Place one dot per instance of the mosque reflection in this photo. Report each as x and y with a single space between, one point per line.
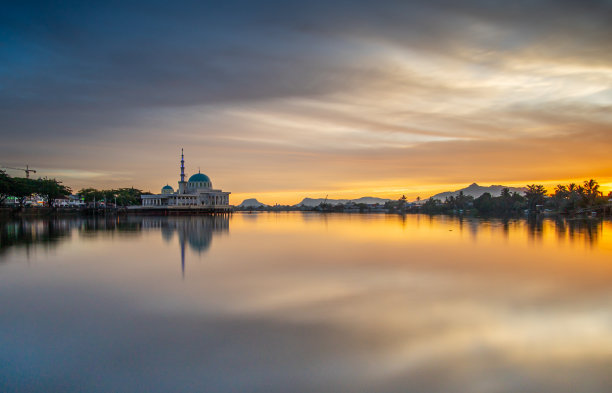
193 233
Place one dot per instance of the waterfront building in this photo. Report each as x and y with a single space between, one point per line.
197 192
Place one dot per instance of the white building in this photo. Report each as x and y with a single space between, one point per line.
197 192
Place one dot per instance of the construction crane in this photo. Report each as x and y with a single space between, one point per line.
323 205
27 170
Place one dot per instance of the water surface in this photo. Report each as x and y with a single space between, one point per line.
292 302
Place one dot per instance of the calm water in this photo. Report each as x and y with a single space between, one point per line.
296 302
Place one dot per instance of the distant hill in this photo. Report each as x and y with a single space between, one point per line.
252 202
310 202
475 190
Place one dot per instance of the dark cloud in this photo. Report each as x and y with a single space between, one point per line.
80 67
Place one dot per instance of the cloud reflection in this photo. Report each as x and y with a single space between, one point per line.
308 302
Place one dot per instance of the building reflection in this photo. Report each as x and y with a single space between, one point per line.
194 233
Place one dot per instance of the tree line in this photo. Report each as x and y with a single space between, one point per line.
22 188
52 189
570 198
121 196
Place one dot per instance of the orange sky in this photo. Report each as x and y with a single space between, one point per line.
410 99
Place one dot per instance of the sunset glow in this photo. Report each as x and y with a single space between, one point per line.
297 99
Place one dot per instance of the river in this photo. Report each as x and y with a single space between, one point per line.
305 302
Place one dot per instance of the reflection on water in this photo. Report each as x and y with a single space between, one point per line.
195 233
305 302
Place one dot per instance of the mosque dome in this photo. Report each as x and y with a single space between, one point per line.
167 187
199 181
199 177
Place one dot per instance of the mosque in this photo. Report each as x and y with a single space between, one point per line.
197 193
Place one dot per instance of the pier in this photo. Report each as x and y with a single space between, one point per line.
178 210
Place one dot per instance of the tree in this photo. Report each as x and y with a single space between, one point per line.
485 203
432 206
535 195
51 189
6 186
128 196
462 201
91 194
402 203
124 196
505 203
561 197
23 188
518 201
591 191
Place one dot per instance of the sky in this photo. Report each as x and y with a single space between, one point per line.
281 100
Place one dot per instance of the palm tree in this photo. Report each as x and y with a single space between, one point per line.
535 195
591 190
561 197
402 203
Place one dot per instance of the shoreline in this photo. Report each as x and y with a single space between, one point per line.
191 211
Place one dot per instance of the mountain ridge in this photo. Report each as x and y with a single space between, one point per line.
476 190
252 202
312 202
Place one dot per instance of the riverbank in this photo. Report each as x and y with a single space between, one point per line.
56 211
7 212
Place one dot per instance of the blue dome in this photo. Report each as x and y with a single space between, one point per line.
199 177
166 187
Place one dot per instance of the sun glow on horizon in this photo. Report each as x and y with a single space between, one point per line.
411 192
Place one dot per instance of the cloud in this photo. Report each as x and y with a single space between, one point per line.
274 86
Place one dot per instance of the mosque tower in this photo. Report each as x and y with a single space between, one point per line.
182 189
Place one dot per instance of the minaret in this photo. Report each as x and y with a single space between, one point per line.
182 166
182 184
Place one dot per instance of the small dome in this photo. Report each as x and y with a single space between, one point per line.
167 187
199 177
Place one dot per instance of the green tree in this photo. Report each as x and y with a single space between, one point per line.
561 197
575 196
124 196
504 203
128 196
535 195
518 201
591 191
51 189
485 203
23 188
462 200
432 206
402 204
91 194
6 186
